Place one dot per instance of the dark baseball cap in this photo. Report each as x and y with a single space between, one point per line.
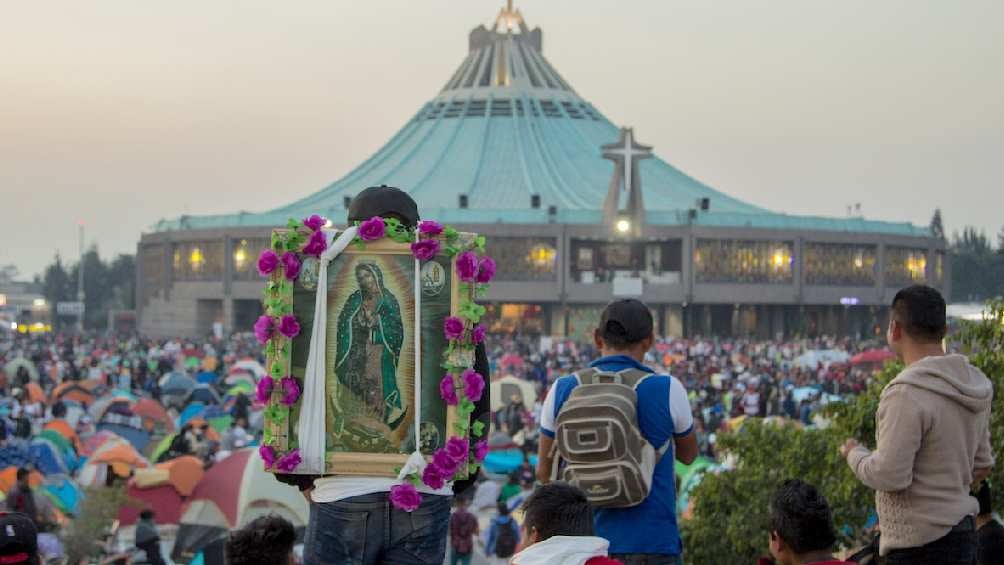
384 201
625 322
18 539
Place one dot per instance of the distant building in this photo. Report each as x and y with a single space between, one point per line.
577 212
23 308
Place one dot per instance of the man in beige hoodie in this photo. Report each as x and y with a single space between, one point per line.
933 440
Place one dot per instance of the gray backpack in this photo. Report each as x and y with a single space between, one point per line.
598 439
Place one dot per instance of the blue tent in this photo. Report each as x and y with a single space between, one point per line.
14 454
205 394
64 493
138 437
193 410
206 377
45 456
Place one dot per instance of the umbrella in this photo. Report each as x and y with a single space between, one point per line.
176 382
72 391
19 363
232 493
872 356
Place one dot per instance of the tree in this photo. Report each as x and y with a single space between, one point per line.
729 513
106 286
122 277
977 272
1000 241
937 227
56 285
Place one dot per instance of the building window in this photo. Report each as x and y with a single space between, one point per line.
905 266
152 262
198 261
244 258
515 318
738 261
839 264
597 261
524 258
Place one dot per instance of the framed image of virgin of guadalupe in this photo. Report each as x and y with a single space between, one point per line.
383 355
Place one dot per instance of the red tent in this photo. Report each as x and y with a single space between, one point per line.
163 499
874 356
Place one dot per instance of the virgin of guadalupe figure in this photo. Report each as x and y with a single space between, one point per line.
370 336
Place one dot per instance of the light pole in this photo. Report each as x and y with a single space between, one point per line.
80 280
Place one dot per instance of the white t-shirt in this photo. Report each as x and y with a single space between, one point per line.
333 489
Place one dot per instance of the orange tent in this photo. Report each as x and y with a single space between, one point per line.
63 428
35 393
185 472
152 411
122 458
72 391
8 478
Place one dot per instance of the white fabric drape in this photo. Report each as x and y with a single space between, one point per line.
312 423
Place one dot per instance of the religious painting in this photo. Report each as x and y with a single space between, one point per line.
373 401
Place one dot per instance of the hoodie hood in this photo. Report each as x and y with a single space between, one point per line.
562 550
950 376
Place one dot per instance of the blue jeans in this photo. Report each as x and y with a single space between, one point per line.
367 530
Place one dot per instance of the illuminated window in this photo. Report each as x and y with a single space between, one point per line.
245 258
905 266
524 258
241 255
839 264
196 261
731 261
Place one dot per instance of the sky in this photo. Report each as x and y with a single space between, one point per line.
120 113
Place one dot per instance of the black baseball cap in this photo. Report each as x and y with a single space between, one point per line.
625 322
384 201
18 539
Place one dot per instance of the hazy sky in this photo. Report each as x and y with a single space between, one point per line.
121 113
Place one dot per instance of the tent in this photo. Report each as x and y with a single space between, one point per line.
248 366
162 447
175 382
192 410
65 447
232 493
117 457
872 357
102 406
153 414
63 493
8 478
35 394
47 457
163 499
12 367
99 439
241 387
131 430
203 393
182 473
63 428
72 391
503 389
206 377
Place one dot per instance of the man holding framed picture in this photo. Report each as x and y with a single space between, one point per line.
352 519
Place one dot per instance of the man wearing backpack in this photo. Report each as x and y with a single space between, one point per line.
503 536
616 428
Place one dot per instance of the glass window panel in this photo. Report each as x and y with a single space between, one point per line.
524 258
198 261
152 265
244 257
905 266
839 264
743 261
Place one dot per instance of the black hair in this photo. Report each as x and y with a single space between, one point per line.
59 409
146 514
23 473
503 508
558 509
921 311
268 539
800 515
615 335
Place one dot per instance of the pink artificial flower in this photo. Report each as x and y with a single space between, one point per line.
291 391
316 244
445 462
267 455
264 328
288 462
267 262
467 266
433 477
478 334
425 250
314 223
480 450
448 390
486 270
453 328
474 384
263 391
372 229
290 265
288 326
430 228
457 448
405 497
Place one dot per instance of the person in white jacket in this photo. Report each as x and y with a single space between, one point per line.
558 529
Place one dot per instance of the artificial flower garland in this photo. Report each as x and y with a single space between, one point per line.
461 386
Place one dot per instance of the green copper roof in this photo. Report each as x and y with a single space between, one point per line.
506 127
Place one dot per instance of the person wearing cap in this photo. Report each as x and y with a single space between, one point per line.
351 517
646 533
18 540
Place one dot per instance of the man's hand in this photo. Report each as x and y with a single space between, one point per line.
848 446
